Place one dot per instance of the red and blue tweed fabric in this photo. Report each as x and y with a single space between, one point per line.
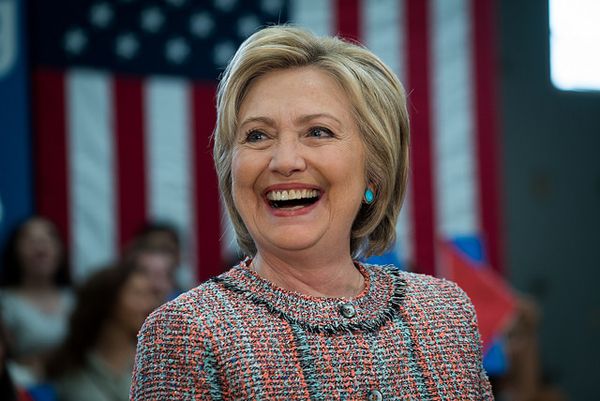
239 337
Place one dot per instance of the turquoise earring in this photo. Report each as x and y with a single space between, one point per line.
369 196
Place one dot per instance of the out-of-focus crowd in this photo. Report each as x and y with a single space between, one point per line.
66 342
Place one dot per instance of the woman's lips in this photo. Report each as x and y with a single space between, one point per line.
291 199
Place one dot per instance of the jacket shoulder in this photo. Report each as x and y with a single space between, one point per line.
192 309
175 354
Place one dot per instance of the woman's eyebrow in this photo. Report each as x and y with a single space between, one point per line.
299 120
309 117
258 119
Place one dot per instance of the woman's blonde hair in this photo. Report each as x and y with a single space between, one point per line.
379 108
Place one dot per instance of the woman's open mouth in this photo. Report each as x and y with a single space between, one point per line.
292 199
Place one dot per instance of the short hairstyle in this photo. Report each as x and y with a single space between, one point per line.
378 104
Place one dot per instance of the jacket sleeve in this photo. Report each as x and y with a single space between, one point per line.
481 384
174 359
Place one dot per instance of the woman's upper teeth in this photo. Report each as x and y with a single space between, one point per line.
292 194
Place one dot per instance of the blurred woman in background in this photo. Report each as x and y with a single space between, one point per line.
35 297
95 362
166 235
159 264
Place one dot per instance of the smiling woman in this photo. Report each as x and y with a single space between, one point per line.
311 149
363 90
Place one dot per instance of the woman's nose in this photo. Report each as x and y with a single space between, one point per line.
287 157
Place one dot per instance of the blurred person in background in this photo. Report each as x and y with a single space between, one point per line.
158 263
162 234
95 361
35 297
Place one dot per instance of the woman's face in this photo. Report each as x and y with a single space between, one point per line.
136 301
39 250
159 267
298 162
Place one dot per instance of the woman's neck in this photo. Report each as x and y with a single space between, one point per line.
37 284
322 276
116 347
43 294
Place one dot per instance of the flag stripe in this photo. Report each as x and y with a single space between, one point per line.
404 246
383 21
422 181
315 15
488 144
348 21
51 169
452 105
168 157
208 215
91 170
130 164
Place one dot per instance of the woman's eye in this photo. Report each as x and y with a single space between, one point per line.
320 132
255 136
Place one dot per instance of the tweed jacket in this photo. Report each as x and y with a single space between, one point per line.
239 337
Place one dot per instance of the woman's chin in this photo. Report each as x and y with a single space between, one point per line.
290 239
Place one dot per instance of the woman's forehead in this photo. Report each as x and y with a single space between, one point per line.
298 94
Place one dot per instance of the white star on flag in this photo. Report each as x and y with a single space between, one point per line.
247 25
152 19
177 50
176 3
223 52
75 41
225 5
127 46
272 7
201 24
101 15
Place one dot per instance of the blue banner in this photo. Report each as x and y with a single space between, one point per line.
16 174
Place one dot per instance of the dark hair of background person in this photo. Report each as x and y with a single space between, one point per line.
131 254
96 301
12 269
162 227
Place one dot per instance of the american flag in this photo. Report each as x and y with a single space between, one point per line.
124 107
123 104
